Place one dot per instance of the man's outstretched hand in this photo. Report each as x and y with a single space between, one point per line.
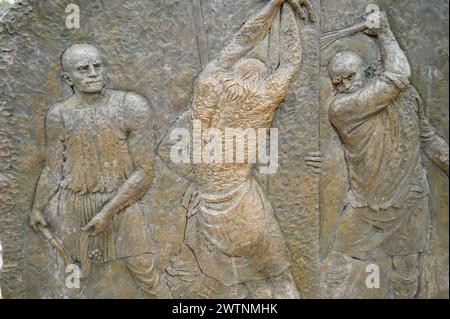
304 8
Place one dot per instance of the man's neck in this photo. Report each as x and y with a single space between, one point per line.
90 99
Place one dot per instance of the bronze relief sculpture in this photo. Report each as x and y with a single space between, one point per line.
113 193
98 165
384 129
231 228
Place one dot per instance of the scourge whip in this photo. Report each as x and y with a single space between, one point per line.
369 19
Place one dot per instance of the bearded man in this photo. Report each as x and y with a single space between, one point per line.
384 131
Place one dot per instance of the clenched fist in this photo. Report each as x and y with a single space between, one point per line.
304 8
37 219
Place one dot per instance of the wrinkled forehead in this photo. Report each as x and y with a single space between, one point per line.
79 56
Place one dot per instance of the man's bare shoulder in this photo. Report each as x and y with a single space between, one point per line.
134 108
338 104
133 102
59 106
341 107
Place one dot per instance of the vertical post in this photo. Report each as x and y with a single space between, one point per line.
294 189
199 24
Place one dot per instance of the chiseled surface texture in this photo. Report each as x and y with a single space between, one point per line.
294 189
157 48
150 49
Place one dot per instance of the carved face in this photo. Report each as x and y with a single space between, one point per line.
346 71
83 68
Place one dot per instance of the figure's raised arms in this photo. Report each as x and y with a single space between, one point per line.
394 59
359 100
290 56
253 31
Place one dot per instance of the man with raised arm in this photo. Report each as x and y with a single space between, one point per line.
384 130
231 228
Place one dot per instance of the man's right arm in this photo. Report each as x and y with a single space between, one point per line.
377 95
394 59
290 57
348 110
251 33
51 175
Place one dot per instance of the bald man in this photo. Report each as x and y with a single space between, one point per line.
384 130
99 163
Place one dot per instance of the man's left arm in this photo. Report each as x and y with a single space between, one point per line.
433 146
141 144
290 56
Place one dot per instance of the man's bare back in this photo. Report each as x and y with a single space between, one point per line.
239 92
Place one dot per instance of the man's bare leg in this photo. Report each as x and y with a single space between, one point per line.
336 269
405 276
148 277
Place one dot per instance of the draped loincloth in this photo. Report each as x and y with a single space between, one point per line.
127 236
235 236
